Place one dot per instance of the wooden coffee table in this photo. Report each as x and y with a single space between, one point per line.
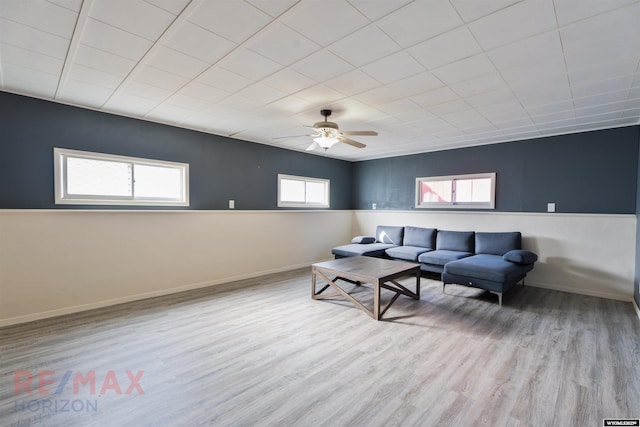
381 273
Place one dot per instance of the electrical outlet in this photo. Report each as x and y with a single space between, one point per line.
551 207
374 206
232 204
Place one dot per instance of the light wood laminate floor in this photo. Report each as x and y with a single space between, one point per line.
262 353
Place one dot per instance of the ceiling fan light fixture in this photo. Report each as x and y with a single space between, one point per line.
325 141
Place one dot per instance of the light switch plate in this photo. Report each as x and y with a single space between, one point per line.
232 204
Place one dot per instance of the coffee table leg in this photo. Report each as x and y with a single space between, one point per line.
376 300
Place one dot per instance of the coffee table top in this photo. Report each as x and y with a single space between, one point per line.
368 269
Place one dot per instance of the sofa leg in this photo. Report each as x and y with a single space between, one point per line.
499 297
443 285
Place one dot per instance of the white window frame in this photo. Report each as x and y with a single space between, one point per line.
62 196
287 204
454 204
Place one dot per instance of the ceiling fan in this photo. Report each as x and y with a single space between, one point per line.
328 133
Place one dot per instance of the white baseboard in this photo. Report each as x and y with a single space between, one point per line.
106 303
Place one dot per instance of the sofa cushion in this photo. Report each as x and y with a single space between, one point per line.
355 249
389 234
461 241
409 253
363 240
420 237
488 267
520 256
497 243
442 256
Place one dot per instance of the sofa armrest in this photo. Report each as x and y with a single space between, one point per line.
520 256
364 240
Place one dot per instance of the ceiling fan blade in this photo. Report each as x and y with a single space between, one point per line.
313 146
352 142
292 136
360 132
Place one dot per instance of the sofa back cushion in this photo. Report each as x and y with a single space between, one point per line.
461 241
498 243
421 237
390 234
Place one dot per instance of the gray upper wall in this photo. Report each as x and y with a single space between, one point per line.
590 172
220 168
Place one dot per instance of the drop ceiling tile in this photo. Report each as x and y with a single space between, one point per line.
606 99
449 107
167 113
465 69
620 69
128 16
516 22
364 46
435 97
375 10
159 78
273 7
378 96
570 11
446 48
393 68
222 79
104 61
623 83
541 72
326 21
400 106
528 50
470 10
171 6
282 44
352 83
129 104
416 84
15 34
602 51
144 90
492 98
110 39
320 96
233 20
204 92
194 104
535 108
29 59
487 83
94 77
176 63
82 93
16 78
239 104
262 93
288 80
199 43
249 64
74 5
419 21
41 15
321 66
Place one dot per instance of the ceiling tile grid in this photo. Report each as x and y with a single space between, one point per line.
425 74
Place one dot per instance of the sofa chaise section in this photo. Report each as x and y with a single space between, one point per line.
497 266
375 246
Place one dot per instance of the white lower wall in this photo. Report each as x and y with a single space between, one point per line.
580 253
55 262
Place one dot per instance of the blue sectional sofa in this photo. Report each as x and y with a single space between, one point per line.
492 261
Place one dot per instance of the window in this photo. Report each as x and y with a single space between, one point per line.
301 192
84 178
456 191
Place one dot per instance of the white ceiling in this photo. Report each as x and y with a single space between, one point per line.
426 74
